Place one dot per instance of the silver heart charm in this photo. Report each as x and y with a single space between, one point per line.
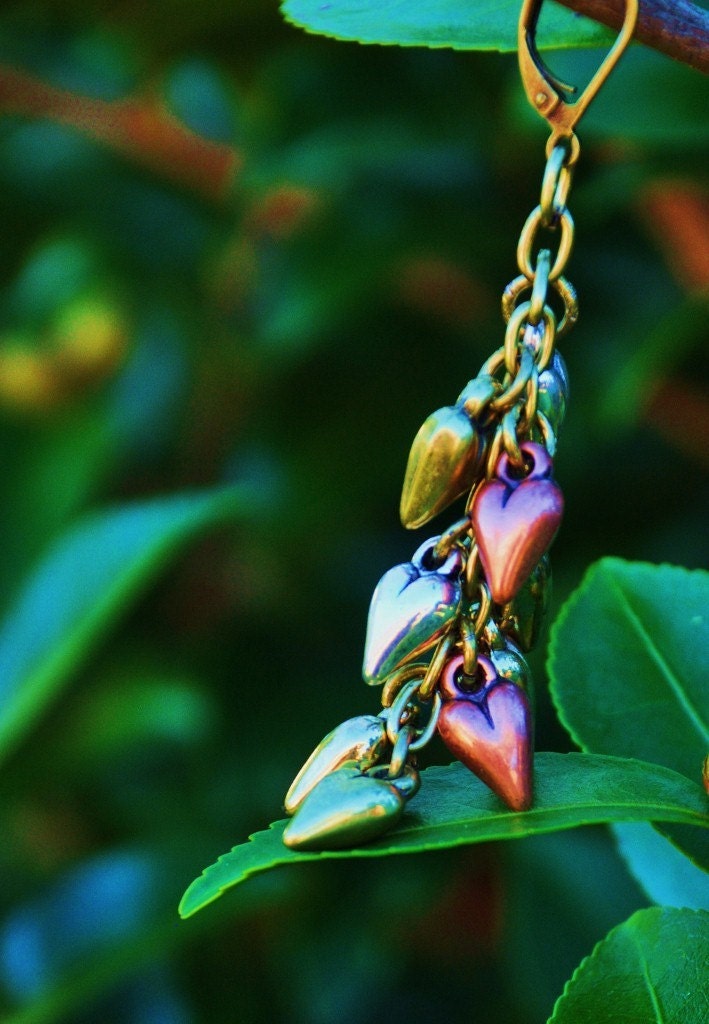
349 807
411 609
362 739
554 392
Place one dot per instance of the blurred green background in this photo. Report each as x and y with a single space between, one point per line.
233 253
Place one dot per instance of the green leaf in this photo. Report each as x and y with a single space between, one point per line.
83 584
568 890
666 875
139 707
629 660
454 808
649 970
648 359
484 25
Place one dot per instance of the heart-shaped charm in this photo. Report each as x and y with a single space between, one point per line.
412 607
489 730
348 808
515 520
553 392
510 666
506 657
362 739
443 463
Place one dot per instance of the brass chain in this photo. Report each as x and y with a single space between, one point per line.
528 349
509 406
401 715
532 328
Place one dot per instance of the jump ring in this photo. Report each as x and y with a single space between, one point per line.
433 672
400 752
526 240
426 733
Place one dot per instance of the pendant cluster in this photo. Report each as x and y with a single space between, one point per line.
447 632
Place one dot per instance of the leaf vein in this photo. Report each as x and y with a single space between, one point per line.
659 659
659 1016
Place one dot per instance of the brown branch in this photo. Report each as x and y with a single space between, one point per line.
140 129
676 28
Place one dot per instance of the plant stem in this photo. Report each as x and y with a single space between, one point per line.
140 128
677 28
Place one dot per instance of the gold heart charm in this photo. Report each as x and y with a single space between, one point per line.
362 739
348 808
412 607
446 456
443 463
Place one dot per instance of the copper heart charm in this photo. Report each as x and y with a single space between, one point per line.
489 730
515 520
412 607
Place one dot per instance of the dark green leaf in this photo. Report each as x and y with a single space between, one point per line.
649 970
454 808
568 889
485 25
86 580
629 659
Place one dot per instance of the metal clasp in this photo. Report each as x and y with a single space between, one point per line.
551 97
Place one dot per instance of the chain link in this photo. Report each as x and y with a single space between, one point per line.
400 718
540 286
448 540
525 245
511 411
532 330
563 288
555 184
436 666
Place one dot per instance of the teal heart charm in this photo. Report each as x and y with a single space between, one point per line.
413 605
349 807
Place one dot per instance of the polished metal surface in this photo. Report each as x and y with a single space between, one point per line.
523 617
549 96
489 729
444 460
362 740
553 392
511 665
515 521
348 808
411 609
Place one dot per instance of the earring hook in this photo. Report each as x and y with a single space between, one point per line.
545 92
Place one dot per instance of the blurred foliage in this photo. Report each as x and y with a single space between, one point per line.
236 256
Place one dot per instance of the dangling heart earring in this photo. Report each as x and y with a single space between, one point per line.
447 631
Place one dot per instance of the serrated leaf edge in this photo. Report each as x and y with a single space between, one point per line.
379 849
644 913
603 564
